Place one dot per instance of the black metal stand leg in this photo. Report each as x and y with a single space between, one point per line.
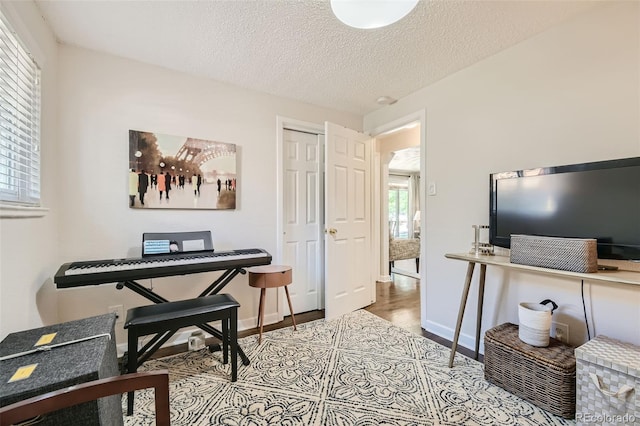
222 281
157 341
225 340
222 278
218 334
142 291
235 349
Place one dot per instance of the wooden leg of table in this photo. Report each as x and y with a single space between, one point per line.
463 304
483 273
261 312
293 317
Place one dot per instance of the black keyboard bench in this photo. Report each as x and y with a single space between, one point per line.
164 320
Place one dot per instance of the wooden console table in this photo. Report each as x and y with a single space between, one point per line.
622 277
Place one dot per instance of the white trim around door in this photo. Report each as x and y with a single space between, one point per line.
293 181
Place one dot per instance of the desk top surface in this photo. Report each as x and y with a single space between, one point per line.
618 276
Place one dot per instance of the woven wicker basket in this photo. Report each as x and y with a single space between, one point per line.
567 254
545 377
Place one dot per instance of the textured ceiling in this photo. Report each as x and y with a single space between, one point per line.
407 159
298 49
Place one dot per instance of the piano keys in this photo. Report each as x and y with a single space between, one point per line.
95 272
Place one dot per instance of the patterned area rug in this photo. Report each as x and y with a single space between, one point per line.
356 370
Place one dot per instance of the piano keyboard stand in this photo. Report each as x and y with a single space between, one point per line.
125 272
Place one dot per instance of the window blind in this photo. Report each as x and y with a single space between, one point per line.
19 121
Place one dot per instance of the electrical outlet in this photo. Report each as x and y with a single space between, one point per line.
119 310
560 332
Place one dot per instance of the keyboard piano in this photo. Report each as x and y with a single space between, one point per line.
76 274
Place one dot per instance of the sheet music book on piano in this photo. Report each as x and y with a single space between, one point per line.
155 243
157 247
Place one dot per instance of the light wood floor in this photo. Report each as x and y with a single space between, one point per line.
399 302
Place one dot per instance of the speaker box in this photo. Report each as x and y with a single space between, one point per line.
567 254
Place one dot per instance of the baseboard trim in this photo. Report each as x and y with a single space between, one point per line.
405 273
447 333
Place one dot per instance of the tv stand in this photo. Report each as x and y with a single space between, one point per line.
612 276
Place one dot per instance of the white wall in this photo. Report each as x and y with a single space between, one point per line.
28 257
102 97
398 140
568 95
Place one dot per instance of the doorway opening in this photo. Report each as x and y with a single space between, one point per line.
401 203
403 209
380 219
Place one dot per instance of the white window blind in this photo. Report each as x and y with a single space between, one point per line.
19 121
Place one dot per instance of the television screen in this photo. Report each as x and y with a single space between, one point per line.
591 200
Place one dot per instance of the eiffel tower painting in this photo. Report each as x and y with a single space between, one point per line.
176 172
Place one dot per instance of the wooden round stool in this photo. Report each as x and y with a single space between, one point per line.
270 276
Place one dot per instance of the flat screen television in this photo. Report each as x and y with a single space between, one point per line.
590 200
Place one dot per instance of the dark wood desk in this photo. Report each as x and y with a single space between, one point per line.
621 277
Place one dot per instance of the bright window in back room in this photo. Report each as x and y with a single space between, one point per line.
19 121
399 206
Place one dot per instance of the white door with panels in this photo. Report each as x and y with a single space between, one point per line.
349 281
303 222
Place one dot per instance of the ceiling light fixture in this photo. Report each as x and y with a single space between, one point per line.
368 14
386 100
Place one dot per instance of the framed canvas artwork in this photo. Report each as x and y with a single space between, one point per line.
176 172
